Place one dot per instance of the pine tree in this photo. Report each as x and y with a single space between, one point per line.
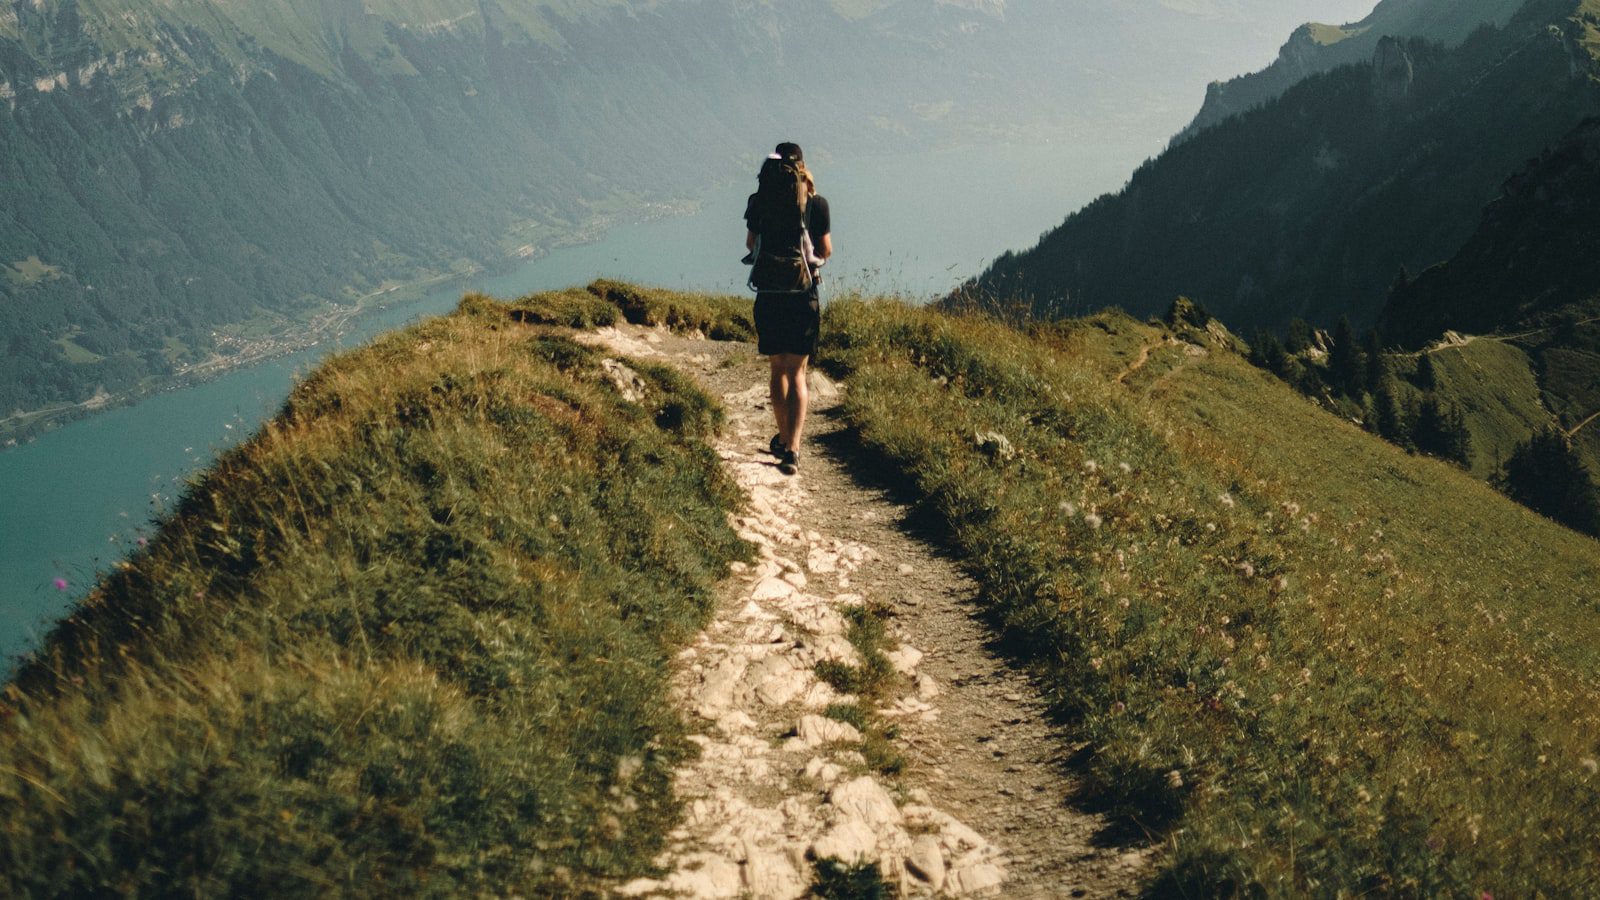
1298 339
1267 352
1427 376
1392 422
1441 430
1402 280
1546 475
1376 365
1345 370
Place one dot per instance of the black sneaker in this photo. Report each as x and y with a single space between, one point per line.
789 462
775 447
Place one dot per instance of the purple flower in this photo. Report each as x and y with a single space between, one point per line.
61 584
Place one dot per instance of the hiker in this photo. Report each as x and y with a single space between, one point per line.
788 236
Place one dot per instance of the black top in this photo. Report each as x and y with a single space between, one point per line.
781 232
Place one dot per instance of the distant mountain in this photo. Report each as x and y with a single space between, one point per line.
1309 205
1315 48
195 177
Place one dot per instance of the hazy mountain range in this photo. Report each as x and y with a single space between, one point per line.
195 177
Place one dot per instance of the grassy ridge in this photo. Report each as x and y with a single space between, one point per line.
410 639
1312 662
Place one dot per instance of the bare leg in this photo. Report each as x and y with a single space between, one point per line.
778 392
789 397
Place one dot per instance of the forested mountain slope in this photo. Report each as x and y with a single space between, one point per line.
1310 205
1317 47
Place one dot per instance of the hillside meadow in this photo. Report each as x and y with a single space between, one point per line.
1309 662
412 637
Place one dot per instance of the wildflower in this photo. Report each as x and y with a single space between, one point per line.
1590 765
1095 663
1091 466
1093 520
1119 707
1174 779
1069 507
61 584
1126 469
1226 500
142 542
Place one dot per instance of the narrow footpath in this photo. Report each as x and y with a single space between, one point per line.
984 805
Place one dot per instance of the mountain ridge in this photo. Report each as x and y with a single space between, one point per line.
1308 206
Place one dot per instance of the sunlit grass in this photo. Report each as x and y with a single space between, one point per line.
1308 661
411 638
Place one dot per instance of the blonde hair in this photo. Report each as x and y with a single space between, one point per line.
805 175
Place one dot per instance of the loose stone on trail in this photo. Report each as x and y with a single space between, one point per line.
779 782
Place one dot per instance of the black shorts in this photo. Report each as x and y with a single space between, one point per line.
788 323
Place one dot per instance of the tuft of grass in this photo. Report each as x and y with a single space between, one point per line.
1314 663
573 308
412 638
872 681
721 318
838 880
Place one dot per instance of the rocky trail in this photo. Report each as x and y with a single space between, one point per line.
984 802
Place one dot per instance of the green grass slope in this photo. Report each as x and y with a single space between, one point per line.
411 639
1495 386
1312 663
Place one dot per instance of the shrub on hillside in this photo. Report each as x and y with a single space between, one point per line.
1546 475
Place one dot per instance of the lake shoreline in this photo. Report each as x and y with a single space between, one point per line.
329 324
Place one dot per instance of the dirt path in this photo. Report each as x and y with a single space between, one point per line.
983 806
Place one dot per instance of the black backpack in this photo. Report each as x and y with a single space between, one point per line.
787 270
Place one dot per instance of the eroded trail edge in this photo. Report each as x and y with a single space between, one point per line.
981 804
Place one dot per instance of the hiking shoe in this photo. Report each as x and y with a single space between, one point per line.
789 463
775 447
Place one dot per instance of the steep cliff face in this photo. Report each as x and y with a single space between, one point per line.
1315 48
1310 205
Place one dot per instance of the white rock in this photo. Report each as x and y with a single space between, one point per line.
927 688
820 696
958 836
716 691
972 879
770 589
752 612
639 887
778 681
906 568
798 579
821 562
709 876
825 772
815 731
850 842
831 648
820 620
926 861
865 800
905 659
736 722
768 874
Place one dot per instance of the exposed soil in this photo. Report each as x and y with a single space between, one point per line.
987 803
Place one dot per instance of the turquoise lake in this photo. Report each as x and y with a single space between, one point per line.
81 497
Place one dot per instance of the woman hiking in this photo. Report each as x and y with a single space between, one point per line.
788 236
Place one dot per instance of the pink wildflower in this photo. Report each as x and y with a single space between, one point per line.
61 584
